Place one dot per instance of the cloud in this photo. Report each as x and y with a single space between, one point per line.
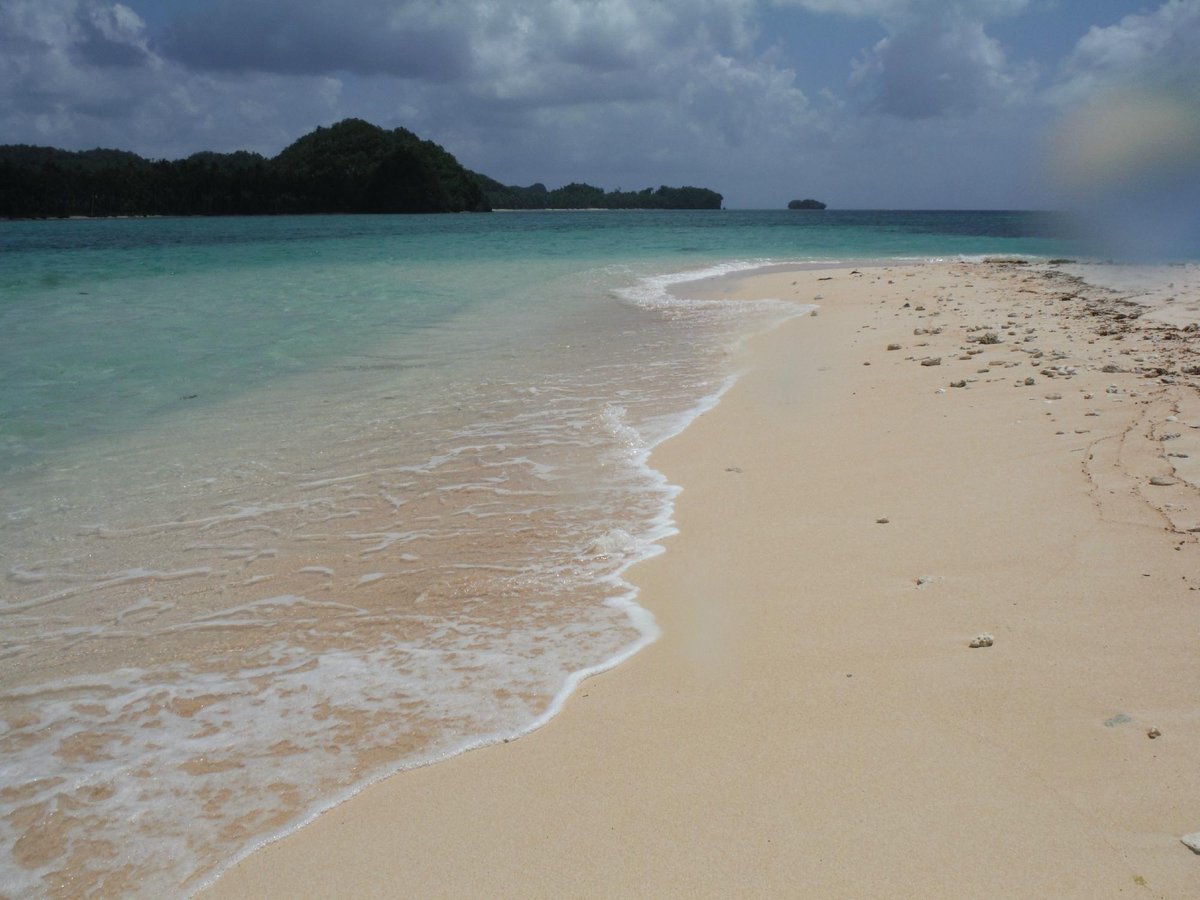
1155 50
112 36
950 66
62 55
1126 153
614 71
437 41
937 58
616 90
412 38
84 73
899 11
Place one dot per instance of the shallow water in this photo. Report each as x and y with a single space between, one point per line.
289 504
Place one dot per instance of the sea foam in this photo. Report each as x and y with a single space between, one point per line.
226 630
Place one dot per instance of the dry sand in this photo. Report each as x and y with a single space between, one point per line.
813 723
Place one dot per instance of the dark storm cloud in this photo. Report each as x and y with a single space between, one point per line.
407 39
516 49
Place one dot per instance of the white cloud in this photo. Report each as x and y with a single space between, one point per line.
949 67
937 58
1156 50
1126 153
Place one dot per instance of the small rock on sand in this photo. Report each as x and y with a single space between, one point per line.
1153 733
1192 841
982 640
1162 481
932 361
883 520
893 346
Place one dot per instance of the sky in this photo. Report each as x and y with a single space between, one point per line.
983 104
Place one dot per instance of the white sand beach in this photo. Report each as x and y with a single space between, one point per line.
813 721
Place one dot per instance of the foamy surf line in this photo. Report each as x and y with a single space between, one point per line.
652 292
193 730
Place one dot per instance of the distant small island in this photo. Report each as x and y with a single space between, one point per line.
350 167
806 204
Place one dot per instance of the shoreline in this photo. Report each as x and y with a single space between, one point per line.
812 720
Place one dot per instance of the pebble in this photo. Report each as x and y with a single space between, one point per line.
932 361
1030 381
882 521
1162 481
893 346
1192 841
982 640
923 580
1153 733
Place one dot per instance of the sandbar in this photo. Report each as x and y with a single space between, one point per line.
813 721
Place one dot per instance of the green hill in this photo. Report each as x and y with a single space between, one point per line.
350 167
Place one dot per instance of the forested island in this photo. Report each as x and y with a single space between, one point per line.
585 196
350 167
806 204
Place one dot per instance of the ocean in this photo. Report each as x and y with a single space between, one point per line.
291 504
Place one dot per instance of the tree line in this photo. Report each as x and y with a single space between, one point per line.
350 167
585 196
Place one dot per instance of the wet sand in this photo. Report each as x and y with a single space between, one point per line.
813 721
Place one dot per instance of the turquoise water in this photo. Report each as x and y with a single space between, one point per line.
107 324
289 504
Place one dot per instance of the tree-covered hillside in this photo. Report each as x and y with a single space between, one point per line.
350 167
